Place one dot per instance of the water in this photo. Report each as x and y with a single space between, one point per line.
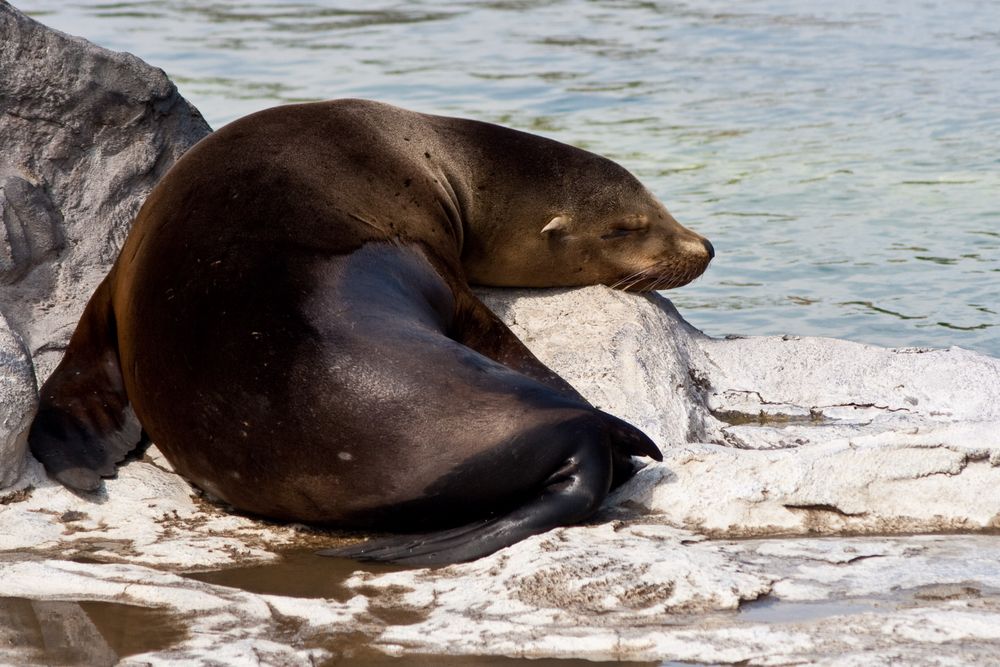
100 634
844 157
97 634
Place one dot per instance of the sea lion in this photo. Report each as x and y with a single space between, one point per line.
291 322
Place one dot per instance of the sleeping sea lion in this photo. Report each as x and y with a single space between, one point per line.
291 322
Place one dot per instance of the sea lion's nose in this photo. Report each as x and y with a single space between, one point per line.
709 248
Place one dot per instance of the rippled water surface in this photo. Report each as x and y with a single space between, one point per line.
844 157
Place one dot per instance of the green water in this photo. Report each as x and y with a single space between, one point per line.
844 157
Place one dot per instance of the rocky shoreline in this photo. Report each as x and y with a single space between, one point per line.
820 501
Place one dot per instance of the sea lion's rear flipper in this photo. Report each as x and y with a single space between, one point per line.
565 502
84 424
627 439
569 495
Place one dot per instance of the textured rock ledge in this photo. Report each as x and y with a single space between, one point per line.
17 403
931 600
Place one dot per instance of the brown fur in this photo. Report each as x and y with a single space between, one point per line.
291 321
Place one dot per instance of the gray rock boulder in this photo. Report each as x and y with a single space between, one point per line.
85 133
18 399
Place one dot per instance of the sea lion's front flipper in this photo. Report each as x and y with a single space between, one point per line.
84 424
476 326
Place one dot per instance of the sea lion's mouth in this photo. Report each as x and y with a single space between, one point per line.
663 275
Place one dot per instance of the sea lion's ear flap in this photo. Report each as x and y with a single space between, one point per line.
556 224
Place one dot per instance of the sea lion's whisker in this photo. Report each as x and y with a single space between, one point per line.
638 278
617 284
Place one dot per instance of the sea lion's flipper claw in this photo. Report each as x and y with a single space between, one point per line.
85 425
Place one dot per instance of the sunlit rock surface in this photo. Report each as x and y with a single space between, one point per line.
787 444
146 515
930 600
778 436
835 600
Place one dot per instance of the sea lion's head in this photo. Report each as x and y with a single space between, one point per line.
638 247
604 228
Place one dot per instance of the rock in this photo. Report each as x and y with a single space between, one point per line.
869 484
773 440
85 133
630 355
655 576
928 600
778 436
803 600
146 515
18 400
637 356
31 231
214 623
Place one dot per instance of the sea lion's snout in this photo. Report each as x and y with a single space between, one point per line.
683 256
696 248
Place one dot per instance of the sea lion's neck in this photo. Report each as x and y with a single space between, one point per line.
492 179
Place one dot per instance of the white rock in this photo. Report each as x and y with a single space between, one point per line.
828 437
147 515
609 570
626 354
566 595
224 624
846 582
638 584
